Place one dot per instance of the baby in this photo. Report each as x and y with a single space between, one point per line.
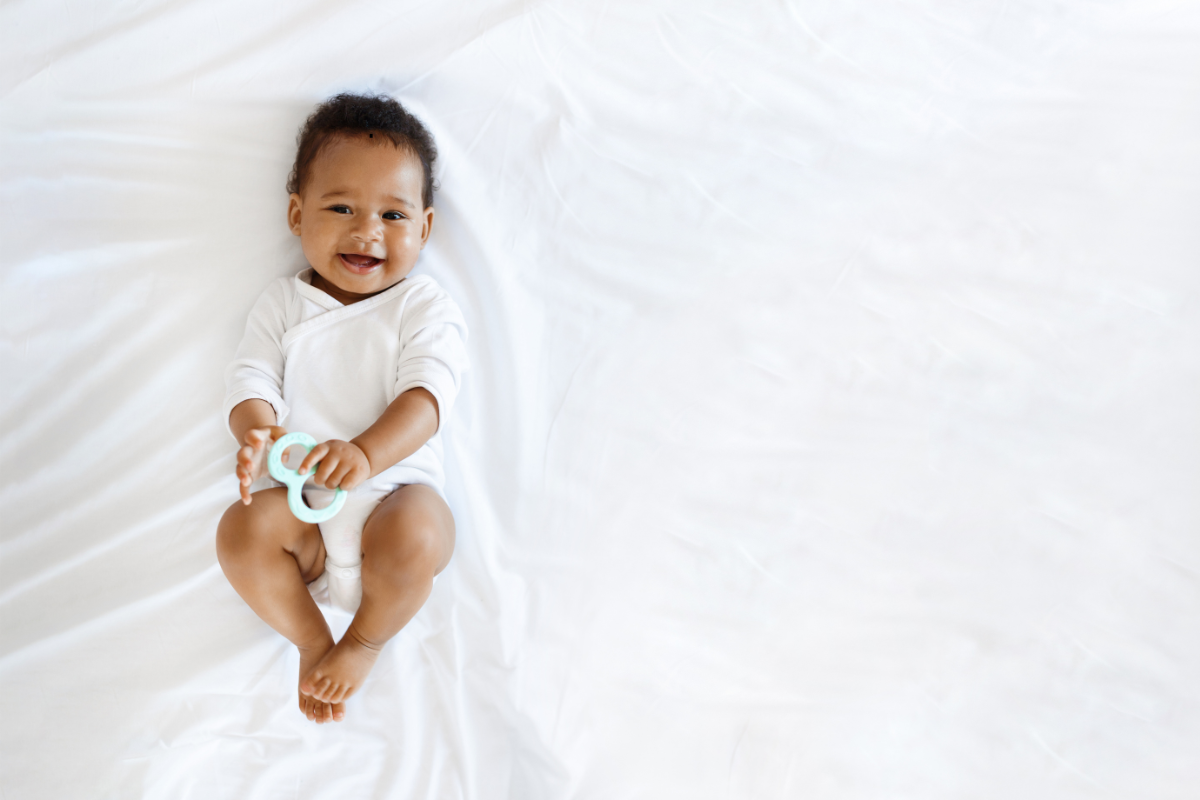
368 361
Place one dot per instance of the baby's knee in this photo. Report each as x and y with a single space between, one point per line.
231 530
244 527
414 553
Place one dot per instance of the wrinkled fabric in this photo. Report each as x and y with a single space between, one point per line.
831 428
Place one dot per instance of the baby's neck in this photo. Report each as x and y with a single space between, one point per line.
341 295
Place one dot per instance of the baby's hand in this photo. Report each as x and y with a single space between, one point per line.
252 458
343 465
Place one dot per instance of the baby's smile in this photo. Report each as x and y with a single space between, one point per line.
360 217
359 264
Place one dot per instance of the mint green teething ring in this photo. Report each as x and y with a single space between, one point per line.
295 481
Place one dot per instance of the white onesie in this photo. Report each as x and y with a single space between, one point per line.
331 370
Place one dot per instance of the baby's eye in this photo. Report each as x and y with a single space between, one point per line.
392 215
340 209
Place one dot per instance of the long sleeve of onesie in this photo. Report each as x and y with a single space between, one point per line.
257 369
433 353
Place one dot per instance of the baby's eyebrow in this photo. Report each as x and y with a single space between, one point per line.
343 192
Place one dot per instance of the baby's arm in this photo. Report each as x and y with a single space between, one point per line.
253 424
406 425
254 402
431 361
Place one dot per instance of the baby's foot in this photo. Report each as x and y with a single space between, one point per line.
310 707
341 672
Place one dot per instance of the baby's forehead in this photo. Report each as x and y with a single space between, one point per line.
365 146
363 159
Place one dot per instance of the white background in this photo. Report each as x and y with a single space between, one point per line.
832 430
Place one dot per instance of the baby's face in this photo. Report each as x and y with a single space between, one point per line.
360 217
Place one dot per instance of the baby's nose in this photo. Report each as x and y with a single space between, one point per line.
369 230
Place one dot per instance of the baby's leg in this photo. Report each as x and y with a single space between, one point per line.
269 556
406 542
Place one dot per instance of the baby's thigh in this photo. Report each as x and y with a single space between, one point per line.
268 525
412 526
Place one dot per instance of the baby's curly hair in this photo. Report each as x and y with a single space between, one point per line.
357 115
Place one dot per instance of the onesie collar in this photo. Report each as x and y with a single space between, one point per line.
306 290
336 312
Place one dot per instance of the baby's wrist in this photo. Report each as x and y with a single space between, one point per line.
362 448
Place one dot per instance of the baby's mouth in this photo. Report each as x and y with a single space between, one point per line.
359 263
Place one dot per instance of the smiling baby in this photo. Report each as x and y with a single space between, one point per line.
367 359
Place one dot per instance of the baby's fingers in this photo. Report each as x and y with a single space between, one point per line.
245 476
339 477
330 465
314 455
245 473
245 457
249 464
353 478
257 437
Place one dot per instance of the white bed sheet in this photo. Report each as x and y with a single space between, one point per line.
832 429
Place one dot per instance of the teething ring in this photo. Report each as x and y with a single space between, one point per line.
295 481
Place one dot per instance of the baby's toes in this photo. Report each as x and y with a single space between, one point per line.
312 685
339 711
339 693
325 691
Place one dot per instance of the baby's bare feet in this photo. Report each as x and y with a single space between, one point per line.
341 672
314 709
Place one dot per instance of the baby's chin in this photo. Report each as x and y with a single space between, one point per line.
347 286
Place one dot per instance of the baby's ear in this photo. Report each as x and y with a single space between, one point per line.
427 227
293 213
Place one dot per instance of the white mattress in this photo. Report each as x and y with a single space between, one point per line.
832 429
